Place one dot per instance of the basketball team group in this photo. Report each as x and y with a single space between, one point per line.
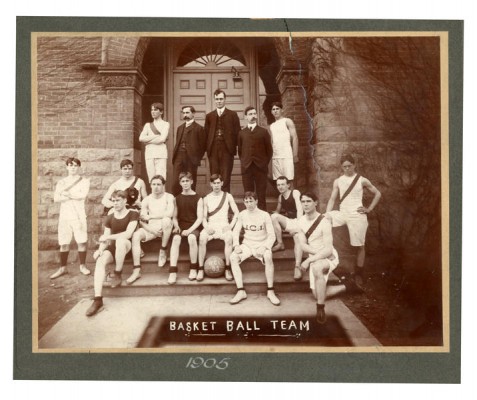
132 217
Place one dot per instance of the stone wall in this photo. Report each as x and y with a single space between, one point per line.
378 99
88 108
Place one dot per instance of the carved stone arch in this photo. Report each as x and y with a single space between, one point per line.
141 49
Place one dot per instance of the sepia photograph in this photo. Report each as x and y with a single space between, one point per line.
240 191
229 199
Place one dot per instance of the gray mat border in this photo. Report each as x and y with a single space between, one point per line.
290 367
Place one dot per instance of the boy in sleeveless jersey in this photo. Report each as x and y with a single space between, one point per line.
71 193
216 223
351 212
284 219
316 240
284 143
157 210
186 221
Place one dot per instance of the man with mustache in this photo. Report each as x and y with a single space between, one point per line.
189 148
255 152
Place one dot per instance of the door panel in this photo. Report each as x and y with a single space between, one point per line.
197 89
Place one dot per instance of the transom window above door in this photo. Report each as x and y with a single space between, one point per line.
211 53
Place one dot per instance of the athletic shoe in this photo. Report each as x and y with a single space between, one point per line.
60 271
200 275
320 316
192 274
278 247
84 270
273 298
228 275
172 278
134 276
297 275
116 280
95 307
241 295
162 258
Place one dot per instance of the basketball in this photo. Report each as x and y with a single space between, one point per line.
214 267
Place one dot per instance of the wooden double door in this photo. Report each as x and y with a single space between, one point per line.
196 88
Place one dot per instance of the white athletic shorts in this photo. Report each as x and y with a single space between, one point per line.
218 234
283 167
154 224
73 227
333 262
292 225
249 252
357 225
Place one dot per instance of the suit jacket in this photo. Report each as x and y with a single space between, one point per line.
231 125
255 147
195 144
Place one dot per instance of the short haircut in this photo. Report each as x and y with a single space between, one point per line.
72 160
247 195
187 175
248 109
192 109
219 91
347 157
160 177
311 195
281 178
119 193
159 106
126 162
214 177
278 104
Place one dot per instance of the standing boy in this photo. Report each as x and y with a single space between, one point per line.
154 136
351 212
71 193
285 144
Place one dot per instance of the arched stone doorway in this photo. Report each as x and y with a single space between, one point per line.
186 71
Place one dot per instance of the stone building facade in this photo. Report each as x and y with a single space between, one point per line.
378 98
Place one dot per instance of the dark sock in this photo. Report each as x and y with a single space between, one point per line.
320 307
118 273
137 266
63 258
172 269
164 247
82 257
99 298
193 266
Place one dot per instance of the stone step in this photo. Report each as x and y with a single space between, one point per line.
155 284
282 260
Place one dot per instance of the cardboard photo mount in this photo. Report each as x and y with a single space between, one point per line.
271 362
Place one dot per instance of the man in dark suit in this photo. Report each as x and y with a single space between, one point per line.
221 127
189 148
255 152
